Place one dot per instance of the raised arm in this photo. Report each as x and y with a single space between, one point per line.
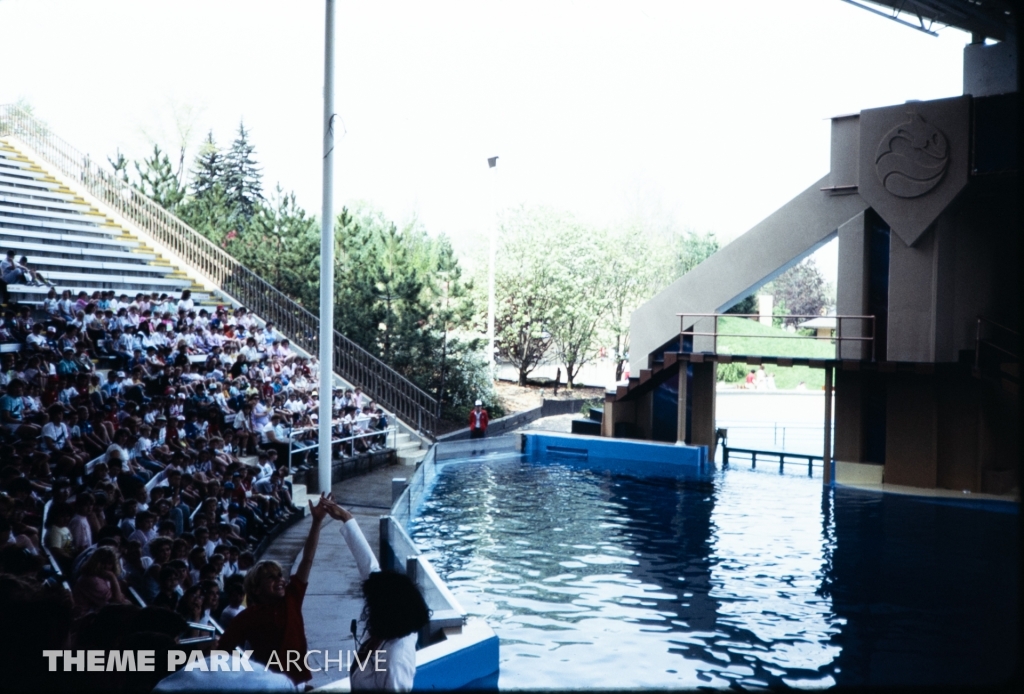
312 540
366 562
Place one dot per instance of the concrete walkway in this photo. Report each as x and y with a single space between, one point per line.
333 599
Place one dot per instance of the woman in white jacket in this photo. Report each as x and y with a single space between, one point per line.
394 611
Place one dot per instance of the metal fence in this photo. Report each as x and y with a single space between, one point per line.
351 362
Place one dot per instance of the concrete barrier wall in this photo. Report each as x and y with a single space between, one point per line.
637 458
503 425
468 653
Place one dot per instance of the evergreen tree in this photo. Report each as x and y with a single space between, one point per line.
209 215
158 181
208 169
242 179
282 244
120 166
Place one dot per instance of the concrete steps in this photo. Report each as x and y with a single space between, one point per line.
299 496
408 450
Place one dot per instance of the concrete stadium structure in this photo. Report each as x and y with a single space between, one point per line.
923 197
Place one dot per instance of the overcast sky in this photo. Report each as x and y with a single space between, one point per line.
711 113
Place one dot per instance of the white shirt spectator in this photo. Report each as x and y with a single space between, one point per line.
81 532
55 436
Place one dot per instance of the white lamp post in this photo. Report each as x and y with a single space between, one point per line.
492 162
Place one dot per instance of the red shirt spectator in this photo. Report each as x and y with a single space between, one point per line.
478 420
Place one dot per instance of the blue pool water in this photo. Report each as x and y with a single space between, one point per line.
744 578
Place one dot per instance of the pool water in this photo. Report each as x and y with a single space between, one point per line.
745 578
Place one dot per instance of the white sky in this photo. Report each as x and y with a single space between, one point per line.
713 114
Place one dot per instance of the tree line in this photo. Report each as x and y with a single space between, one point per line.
399 292
565 290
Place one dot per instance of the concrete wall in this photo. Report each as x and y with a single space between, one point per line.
912 287
990 70
962 267
852 287
911 434
503 425
950 430
849 422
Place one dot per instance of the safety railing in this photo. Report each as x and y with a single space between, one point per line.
691 320
791 438
351 362
994 342
778 456
304 439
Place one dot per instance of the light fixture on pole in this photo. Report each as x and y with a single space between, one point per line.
492 162
327 262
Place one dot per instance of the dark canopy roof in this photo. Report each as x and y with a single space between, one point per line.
986 18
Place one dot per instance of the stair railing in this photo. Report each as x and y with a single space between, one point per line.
354 364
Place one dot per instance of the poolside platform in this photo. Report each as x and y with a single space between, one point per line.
334 598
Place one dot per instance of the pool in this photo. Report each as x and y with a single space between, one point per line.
740 577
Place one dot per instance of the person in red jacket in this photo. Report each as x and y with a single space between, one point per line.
478 421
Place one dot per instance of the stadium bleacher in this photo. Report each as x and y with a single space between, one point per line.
104 447
74 245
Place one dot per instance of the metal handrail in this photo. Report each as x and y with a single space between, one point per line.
351 362
838 339
979 340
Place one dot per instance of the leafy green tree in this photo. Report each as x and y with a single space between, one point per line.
746 305
802 290
692 249
581 258
210 216
528 285
631 279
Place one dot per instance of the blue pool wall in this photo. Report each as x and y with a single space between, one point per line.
620 456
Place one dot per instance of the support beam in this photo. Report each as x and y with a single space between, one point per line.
826 462
702 413
681 432
771 247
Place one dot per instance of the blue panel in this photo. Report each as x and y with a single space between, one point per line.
460 668
636 458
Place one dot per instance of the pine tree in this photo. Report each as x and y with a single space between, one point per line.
243 179
158 181
208 169
120 166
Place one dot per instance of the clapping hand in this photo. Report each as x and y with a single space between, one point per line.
319 511
336 512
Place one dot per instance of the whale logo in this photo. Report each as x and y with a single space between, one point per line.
912 158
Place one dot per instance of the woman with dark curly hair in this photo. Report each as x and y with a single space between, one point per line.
394 612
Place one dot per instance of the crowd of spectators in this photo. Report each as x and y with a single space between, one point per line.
144 453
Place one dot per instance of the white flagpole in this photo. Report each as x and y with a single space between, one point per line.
327 261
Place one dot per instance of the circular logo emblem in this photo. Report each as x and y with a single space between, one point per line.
912 158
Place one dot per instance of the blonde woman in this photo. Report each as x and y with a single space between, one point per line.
98 585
